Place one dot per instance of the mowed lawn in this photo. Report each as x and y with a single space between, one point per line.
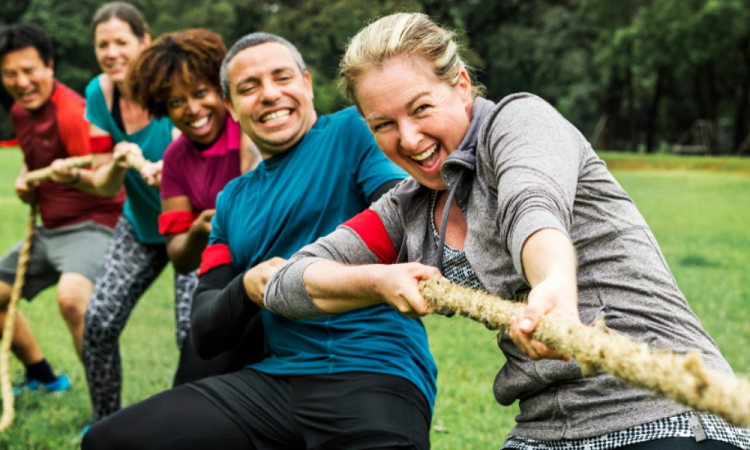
701 219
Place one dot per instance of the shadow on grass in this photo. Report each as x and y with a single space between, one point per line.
693 260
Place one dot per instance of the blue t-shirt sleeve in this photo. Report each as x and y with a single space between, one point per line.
368 165
96 106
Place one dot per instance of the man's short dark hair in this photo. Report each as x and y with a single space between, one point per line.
25 35
251 40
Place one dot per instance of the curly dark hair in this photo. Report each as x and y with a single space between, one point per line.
191 55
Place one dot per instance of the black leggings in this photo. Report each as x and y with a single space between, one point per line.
258 411
179 418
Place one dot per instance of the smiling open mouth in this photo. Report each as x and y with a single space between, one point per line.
200 122
27 95
276 116
116 66
428 157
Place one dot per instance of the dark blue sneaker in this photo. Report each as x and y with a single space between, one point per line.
61 384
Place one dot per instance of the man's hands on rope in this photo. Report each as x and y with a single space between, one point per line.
26 192
256 278
61 173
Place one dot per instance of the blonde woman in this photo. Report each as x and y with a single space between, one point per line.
511 199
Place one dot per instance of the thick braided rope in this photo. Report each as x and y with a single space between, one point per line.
136 162
10 324
682 378
44 174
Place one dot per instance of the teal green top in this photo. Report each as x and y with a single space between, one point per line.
143 205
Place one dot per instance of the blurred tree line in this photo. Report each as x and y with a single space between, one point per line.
632 75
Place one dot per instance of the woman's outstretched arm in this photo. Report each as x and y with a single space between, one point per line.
335 287
549 262
353 267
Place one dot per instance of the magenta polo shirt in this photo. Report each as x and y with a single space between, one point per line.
198 172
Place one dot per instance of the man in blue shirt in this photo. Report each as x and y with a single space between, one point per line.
361 379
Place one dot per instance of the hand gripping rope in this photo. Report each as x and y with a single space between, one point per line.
6 420
682 378
44 174
136 161
15 294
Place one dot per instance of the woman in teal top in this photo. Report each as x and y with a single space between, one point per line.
136 255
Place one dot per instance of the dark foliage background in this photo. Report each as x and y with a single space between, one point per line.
633 75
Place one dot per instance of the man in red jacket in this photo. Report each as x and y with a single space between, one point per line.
48 119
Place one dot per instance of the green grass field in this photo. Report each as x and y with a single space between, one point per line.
701 219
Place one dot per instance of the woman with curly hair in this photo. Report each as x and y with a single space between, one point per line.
178 77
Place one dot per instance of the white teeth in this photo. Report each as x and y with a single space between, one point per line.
199 123
276 116
425 155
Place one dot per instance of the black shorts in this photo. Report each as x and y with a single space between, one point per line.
352 410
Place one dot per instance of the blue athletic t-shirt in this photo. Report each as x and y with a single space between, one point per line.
289 201
143 206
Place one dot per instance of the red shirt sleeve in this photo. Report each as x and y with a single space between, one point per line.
371 230
213 256
73 127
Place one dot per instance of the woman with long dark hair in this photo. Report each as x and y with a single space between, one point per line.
136 255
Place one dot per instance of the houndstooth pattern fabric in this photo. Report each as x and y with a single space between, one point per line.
129 269
184 288
455 265
669 427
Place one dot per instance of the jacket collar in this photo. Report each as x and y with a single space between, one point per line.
466 153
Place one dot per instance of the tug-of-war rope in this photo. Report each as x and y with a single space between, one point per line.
44 174
10 324
135 161
682 378
6 387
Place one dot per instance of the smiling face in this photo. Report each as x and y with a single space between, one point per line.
116 46
417 119
196 110
27 78
270 97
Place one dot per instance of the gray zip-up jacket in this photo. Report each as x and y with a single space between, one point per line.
526 168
